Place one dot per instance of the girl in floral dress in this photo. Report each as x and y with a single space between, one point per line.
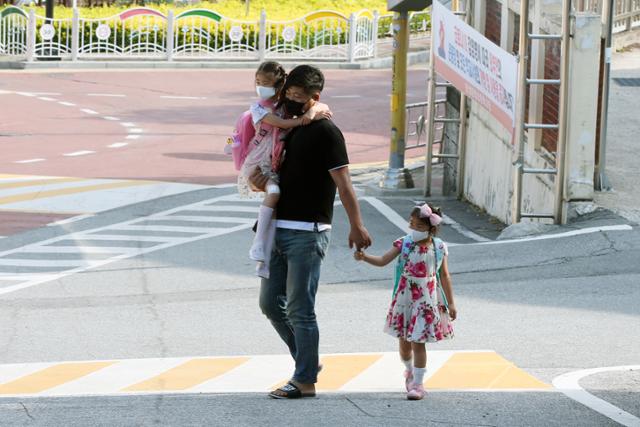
422 305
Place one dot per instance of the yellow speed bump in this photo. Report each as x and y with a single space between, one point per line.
51 377
482 370
189 374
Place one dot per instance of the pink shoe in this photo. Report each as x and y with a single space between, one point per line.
408 378
416 392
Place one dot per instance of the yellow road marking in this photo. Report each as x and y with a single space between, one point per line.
67 191
25 183
51 377
482 370
189 374
339 370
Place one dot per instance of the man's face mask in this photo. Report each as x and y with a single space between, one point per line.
265 92
294 108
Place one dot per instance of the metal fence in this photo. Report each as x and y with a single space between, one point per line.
199 34
626 13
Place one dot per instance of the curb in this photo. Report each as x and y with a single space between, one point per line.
418 57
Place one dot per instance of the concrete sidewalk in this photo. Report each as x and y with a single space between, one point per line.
623 140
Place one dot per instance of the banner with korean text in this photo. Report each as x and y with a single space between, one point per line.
474 64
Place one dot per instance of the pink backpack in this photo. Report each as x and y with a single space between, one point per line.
244 133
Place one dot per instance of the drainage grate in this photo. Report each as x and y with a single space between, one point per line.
633 82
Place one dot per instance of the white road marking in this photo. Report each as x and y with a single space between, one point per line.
118 145
115 119
69 220
463 230
588 230
30 161
45 98
46 93
67 104
135 130
345 96
390 214
76 239
88 111
182 97
114 95
78 153
128 124
568 384
26 94
132 137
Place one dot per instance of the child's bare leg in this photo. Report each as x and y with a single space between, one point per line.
265 216
405 349
419 355
273 195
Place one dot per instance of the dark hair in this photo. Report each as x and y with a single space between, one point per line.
307 77
435 209
277 70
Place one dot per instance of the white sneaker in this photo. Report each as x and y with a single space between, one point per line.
256 252
262 270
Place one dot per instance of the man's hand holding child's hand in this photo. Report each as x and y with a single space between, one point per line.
359 255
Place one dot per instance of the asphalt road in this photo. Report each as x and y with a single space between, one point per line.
97 313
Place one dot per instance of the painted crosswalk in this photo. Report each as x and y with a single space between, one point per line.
343 373
71 253
72 195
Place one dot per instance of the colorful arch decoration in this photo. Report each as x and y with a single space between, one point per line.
201 12
139 11
323 14
11 10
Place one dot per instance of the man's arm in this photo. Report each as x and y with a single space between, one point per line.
358 236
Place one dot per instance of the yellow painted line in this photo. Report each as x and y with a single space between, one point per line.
51 377
482 370
67 191
25 183
340 369
189 374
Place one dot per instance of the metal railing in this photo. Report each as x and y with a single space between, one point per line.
416 136
144 33
626 13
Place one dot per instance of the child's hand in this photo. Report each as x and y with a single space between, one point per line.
321 115
453 313
304 120
358 255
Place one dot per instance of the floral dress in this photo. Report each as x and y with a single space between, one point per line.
417 312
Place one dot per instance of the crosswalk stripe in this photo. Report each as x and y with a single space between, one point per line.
67 191
338 370
188 375
34 182
355 372
486 370
51 377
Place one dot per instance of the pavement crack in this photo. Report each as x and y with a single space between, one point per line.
420 420
26 411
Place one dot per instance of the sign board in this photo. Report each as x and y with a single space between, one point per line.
474 64
407 5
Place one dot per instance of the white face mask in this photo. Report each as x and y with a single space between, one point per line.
265 92
419 235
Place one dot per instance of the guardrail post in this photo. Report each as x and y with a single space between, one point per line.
170 33
31 36
353 33
374 35
262 36
75 34
629 20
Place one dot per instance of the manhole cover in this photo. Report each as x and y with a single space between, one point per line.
634 82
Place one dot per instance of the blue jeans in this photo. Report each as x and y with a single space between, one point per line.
288 297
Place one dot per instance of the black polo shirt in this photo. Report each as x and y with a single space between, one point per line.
307 191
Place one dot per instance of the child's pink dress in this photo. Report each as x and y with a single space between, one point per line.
266 148
417 312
